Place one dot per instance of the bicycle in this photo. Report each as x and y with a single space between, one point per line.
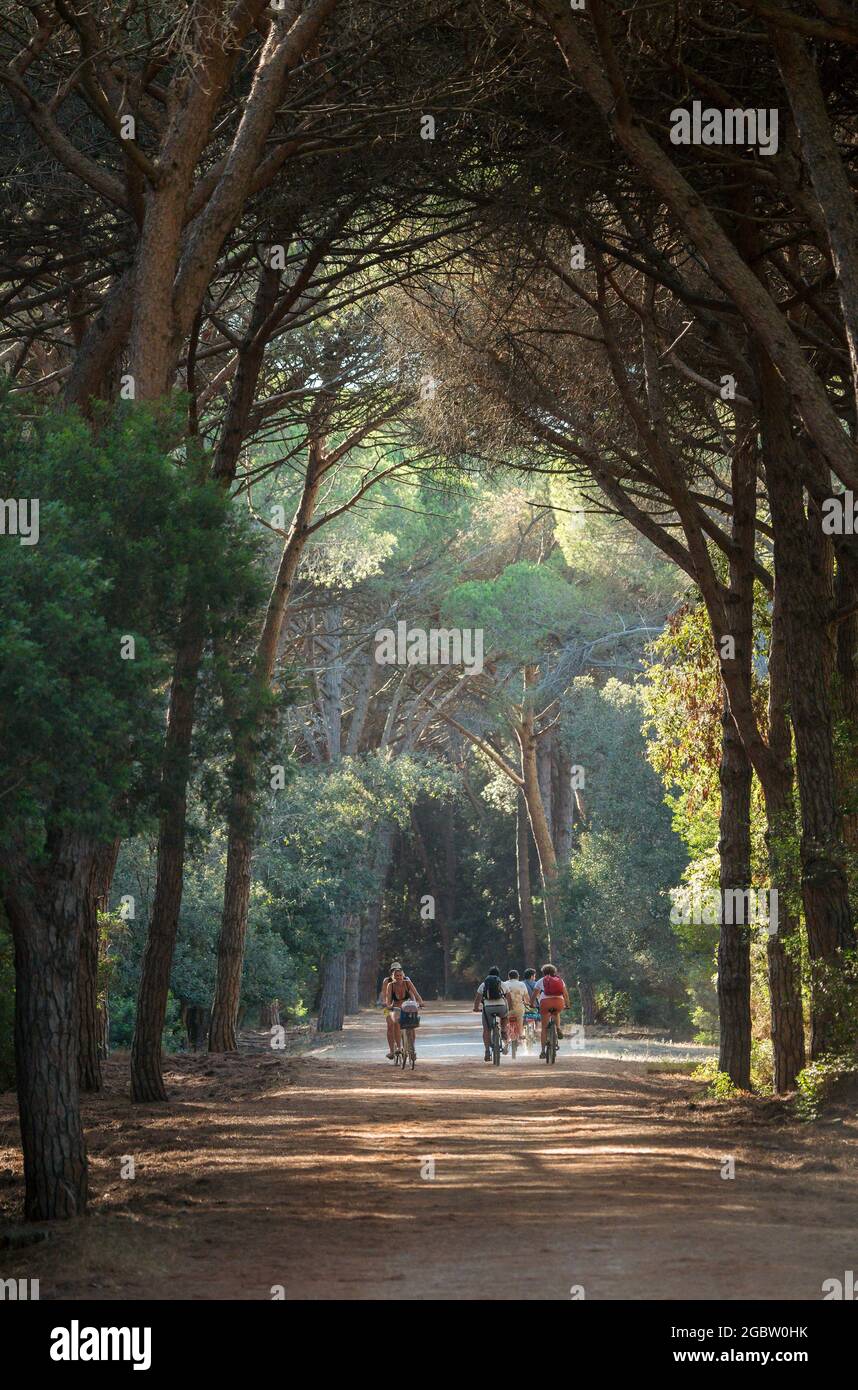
495 1040
531 1023
407 1051
551 1041
516 1035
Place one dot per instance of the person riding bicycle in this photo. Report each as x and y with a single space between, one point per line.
553 997
388 1017
397 988
518 998
530 982
492 1000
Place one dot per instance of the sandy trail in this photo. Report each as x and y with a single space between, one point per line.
310 1173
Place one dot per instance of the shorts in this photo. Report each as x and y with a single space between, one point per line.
494 1008
550 1004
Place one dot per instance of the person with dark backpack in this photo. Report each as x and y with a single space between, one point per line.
491 999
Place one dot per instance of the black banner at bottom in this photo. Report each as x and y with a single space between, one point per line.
62 1340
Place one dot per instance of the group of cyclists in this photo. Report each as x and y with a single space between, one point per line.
512 1000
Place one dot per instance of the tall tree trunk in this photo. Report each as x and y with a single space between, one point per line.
448 906
847 693
736 771
352 991
440 899
269 1014
236 901
734 944
369 935
92 1010
806 606
528 744
784 953
522 863
332 1002
45 913
195 1017
587 995
147 1081
545 775
563 804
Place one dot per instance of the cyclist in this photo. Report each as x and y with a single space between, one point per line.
530 982
397 988
388 1018
491 999
518 998
553 997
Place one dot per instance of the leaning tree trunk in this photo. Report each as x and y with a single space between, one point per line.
45 914
147 1081
734 944
93 1011
332 1002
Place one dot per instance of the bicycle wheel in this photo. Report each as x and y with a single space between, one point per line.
551 1043
412 1050
496 1041
513 1047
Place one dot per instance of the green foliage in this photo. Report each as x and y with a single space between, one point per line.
316 861
120 550
683 703
816 1082
614 905
521 612
720 1087
620 571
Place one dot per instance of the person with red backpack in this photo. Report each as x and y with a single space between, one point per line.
552 997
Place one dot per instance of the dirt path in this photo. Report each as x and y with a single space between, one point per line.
306 1172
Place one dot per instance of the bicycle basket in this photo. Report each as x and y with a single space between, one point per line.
409 1018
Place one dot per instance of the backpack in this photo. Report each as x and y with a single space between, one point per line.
492 988
552 985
